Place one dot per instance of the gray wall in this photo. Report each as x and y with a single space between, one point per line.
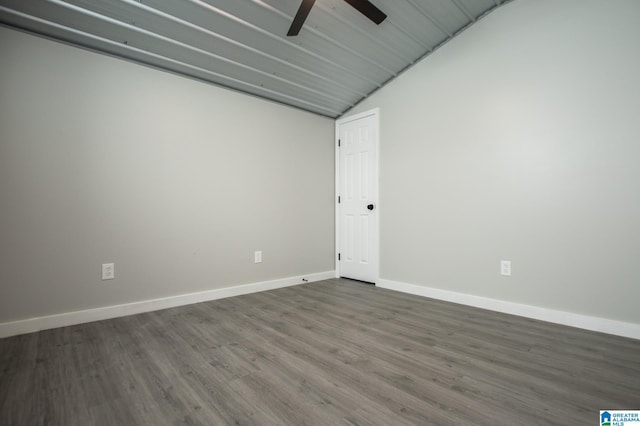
175 181
520 140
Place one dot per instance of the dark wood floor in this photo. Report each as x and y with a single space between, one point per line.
334 352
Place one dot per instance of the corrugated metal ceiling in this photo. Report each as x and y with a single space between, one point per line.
339 57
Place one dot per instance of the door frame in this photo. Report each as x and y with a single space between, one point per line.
375 112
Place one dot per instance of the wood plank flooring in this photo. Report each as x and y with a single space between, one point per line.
332 352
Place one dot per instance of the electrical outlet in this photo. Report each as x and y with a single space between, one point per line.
108 271
505 268
257 257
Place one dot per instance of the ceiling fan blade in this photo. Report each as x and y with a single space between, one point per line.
301 15
368 9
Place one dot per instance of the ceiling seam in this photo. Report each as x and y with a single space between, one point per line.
463 9
282 39
332 41
196 49
430 18
365 34
234 42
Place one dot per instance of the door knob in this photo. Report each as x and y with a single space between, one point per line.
370 206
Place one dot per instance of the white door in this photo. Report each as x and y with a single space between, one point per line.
357 240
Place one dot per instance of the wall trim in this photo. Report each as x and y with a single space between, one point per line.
603 325
31 325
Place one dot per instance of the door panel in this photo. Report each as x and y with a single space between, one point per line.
358 186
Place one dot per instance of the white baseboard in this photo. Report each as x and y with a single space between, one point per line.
31 325
619 328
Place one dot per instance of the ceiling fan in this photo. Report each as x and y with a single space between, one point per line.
363 6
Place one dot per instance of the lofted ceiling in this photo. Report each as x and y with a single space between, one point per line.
339 58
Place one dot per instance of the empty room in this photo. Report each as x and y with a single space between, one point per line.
298 212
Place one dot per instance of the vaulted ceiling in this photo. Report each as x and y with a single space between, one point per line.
339 57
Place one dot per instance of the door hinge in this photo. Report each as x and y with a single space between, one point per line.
338 142
338 199
338 256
